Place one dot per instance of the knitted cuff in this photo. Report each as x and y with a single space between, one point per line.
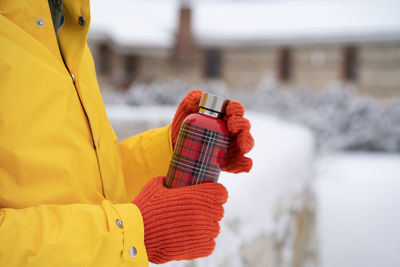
180 223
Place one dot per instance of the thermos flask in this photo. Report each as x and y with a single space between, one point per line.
201 145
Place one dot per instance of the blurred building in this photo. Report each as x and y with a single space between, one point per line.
300 43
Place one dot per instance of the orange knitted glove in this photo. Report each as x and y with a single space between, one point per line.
241 141
180 223
188 105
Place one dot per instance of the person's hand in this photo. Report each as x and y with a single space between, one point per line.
241 141
180 223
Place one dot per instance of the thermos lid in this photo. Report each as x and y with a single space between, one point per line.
210 102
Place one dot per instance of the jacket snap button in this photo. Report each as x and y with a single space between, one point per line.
40 22
119 223
132 252
81 21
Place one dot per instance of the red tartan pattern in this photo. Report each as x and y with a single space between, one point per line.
198 156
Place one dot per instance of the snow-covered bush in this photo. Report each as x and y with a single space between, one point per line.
161 93
340 117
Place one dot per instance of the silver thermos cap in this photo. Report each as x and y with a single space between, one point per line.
210 103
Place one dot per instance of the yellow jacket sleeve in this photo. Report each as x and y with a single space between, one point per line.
72 235
145 156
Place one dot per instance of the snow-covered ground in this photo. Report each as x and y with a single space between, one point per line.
358 212
356 200
282 156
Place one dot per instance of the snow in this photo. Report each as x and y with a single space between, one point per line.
127 22
282 156
295 20
358 215
130 120
153 23
356 197
139 113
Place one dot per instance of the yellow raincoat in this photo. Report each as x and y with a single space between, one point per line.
65 182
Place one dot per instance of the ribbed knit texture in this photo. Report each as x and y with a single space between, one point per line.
241 140
180 223
188 105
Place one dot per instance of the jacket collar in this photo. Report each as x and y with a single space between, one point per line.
34 18
73 34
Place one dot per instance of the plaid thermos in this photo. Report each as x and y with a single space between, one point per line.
201 145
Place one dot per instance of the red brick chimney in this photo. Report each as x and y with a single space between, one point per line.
184 44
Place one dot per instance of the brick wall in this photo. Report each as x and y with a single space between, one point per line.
312 66
380 69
